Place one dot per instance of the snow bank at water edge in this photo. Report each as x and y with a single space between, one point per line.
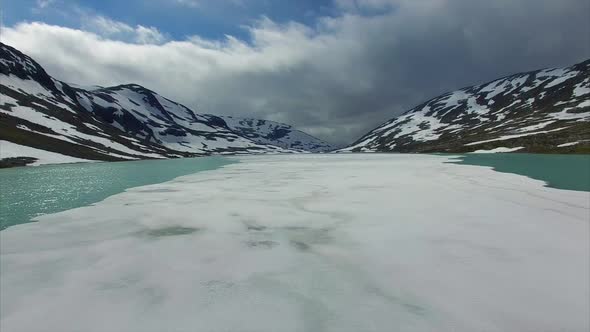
500 149
308 243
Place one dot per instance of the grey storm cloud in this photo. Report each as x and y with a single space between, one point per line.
336 79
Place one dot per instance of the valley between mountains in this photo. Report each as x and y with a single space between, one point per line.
45 120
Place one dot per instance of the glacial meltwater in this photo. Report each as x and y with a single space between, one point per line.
570 172
27 192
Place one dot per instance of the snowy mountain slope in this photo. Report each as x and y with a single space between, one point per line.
279 134
147 116
12 156
540 111
106 123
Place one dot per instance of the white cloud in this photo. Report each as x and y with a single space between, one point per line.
106 26
337 79
148 35
189 3
200 3
44 3
109 28
355 5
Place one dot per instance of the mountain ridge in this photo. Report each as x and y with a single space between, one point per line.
122 122
542 111
280 134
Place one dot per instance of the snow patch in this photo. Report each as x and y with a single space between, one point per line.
499 150
12 150
582 88
567 144
506 137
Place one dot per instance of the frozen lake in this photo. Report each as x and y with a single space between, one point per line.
308 243
28 192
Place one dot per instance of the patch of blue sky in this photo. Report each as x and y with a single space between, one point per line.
177 19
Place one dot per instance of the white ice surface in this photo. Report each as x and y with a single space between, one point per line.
11 150
308 243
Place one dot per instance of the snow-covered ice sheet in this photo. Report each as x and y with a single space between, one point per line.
308 243
11 150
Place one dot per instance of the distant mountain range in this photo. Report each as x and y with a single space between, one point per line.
123 122
275 133
543 111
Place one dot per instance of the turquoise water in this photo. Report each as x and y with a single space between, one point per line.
27 192
570 172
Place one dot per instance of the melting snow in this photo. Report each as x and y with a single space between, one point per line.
566 75
536 126
565 115
502 138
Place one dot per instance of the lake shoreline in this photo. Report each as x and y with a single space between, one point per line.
28 192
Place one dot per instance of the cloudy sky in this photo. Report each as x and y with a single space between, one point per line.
334 68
